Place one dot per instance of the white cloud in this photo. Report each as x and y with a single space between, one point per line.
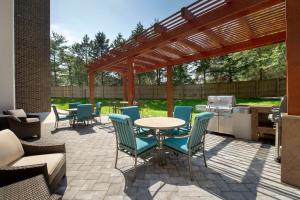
70 35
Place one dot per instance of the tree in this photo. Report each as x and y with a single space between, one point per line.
201 69
181 74
99 46
86 48
57 45
118 41
137 30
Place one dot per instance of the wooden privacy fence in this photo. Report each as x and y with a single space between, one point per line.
242 89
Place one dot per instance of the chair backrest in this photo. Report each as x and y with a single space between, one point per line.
55 112
124 131
98 108
10 148
74 105
84 111
131 111
184 113
198 130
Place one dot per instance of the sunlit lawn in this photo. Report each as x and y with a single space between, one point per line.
159 107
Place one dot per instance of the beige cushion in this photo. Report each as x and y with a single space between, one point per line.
54 162
30 120
20 113
10 148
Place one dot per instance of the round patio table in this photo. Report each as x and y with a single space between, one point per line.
159 123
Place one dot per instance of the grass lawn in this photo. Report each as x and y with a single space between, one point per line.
159 107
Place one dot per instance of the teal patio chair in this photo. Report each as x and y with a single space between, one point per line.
134 113
84 113
127 141
73 105
184 113
192 143
97 112
60 117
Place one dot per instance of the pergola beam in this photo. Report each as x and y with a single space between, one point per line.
124 85
131 86
150 60
203 22
160 56
192 45
247 26
170 100
214 37
250 44
174 51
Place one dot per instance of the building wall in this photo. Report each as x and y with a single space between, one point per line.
7 91
32 49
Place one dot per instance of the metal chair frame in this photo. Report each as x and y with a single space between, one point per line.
192 150
124 148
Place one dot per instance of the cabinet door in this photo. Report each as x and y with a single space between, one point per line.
213 124
225 123
242 125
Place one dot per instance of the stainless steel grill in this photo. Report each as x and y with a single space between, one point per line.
228 118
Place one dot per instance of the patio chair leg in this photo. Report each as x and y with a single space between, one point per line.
190 167
203 152
116 161
135 168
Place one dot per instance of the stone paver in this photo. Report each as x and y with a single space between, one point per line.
236 169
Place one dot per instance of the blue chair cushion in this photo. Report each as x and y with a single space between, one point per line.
95 114
64 117
176 131
132 112
179 144
141 131
144 144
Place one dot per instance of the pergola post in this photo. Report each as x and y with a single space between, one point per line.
124 85
290 158
130 75
170 90
91 88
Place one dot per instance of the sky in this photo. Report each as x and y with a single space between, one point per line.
75 18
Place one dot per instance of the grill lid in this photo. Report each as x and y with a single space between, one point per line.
221 101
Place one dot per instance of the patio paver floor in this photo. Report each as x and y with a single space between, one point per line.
237 169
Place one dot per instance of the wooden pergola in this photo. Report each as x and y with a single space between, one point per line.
201 30
209 28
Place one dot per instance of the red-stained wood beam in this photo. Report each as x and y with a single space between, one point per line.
147 59
244 22
293 58
124 85
187 14
130 75
91 89
144 63
160 29
120 68
235 9
214 37
250 44
170 102
173 51
163 57
192 45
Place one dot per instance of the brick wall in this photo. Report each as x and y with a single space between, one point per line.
32 45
